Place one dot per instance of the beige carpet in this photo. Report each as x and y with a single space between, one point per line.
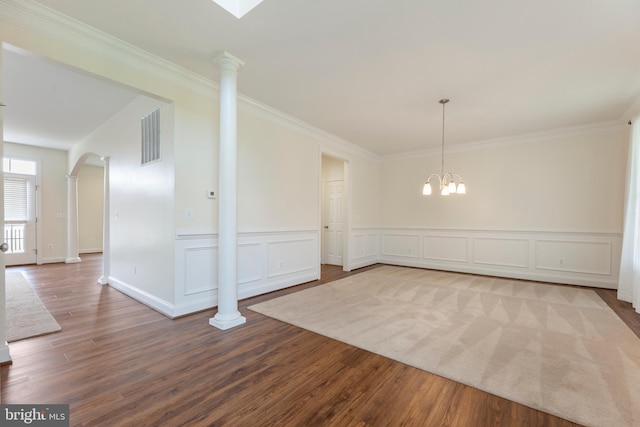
555 348
26 314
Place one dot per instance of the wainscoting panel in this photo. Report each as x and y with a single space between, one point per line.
289 256
364 247
267 261
445 248
401 245
579 258
201 265
574 256
248 269
501 252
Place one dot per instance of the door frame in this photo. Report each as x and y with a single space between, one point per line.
346 228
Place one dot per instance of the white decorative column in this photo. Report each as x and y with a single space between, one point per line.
106 227
228 315
73 254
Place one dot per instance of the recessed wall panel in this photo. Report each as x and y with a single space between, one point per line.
574 256
501 251
404 245
371 245
250 262
358 243
445 248
201 269
290 256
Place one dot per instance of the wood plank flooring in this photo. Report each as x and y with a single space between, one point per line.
120 363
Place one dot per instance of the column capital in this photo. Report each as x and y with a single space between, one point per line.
226 60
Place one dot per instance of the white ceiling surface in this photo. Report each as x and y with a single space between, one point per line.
51 106
372 71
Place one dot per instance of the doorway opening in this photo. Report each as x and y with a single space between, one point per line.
333 211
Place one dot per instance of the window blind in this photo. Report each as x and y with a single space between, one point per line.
15 199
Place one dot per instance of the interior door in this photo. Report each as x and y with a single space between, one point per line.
334 205
20 219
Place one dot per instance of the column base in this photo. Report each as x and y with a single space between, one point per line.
5 357
103 280
72 260
225 322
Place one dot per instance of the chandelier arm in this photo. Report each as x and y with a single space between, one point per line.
455 175
437 176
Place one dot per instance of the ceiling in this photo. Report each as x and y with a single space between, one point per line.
52 106
372 71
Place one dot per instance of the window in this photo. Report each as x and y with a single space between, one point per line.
24 167
150 127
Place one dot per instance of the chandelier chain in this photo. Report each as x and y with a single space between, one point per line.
443 102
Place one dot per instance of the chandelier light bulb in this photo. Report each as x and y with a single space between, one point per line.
426 190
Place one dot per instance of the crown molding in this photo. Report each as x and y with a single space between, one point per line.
325 138
50 23
587 129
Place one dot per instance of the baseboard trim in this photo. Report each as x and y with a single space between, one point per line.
536 277
144 297
53 260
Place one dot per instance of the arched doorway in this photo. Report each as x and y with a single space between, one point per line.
73 236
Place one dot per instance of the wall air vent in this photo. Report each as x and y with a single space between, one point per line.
150 126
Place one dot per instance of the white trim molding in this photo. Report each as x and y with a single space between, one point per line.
267 261
364 247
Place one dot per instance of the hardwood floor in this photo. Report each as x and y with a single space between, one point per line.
120 363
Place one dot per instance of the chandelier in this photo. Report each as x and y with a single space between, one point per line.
449 183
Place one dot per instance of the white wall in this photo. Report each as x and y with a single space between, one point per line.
278 175
332 169
573 183
545 210
141 201
90 208
52 209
